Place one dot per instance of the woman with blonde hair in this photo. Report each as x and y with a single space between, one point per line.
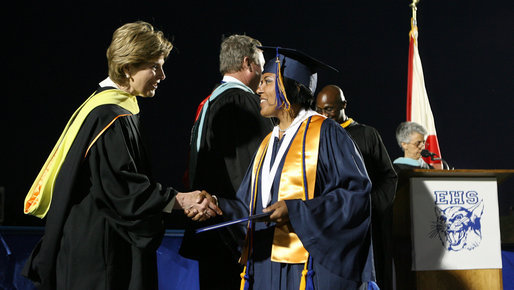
103 210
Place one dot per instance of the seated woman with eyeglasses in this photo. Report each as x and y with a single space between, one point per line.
411 138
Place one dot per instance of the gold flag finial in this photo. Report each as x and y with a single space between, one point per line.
414 8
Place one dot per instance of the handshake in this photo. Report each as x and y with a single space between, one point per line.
198 205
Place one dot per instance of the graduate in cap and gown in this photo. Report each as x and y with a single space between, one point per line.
310 176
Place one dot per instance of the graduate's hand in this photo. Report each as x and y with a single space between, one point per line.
207 206
198 205
280 213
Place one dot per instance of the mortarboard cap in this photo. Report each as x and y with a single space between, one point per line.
295 65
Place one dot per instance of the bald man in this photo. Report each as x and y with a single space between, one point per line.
331 102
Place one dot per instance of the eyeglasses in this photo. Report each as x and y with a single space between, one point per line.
417 143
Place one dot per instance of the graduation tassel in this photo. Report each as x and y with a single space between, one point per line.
282 101
304 276
306 282
245 257
372 285
244 278
310 273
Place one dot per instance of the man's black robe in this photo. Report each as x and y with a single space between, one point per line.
383 179
232 131
105 221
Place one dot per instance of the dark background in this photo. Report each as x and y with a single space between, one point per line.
54 57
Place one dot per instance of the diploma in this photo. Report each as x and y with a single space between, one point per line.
242 220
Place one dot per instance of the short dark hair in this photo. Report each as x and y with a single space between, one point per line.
298 94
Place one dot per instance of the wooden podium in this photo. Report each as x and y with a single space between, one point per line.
408 279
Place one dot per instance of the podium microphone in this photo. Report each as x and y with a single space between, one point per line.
426 153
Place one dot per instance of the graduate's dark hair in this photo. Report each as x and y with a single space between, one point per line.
299 95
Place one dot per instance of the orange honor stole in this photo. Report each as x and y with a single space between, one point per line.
297 181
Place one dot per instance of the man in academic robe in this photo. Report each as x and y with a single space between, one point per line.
332 103
227 131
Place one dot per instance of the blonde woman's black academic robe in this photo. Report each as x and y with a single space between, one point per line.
105 221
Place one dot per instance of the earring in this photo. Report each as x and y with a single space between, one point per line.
127 76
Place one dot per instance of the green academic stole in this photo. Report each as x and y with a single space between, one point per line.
37 201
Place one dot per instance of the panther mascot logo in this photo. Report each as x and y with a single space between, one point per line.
458 227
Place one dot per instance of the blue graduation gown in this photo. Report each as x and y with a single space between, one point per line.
334 226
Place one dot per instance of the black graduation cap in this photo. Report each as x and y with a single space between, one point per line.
295 65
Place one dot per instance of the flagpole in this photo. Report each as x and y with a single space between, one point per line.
414 8
418 106
414 21
412 40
